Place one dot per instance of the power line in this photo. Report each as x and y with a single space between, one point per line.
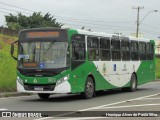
85 21
154 32
16 7
78 20
150 26
114 29
151 33
13 10
91 20
99 24
67 17
4 12
109 1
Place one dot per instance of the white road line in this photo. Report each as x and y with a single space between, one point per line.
44 118
3 109
119 102
130 106
101 106
2 98
150 99
67 113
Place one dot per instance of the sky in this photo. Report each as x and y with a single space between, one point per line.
110 16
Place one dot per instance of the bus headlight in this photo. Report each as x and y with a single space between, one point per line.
19 80
63 79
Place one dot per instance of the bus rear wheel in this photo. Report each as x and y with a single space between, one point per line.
43 95
89 88
133 83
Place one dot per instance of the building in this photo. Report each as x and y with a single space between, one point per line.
157 45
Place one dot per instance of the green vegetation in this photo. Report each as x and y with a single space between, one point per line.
7 65
36 20
158 68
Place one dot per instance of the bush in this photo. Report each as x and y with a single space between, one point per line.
7 68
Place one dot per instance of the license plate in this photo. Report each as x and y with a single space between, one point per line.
38 88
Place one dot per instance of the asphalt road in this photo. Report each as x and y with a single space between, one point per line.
146 98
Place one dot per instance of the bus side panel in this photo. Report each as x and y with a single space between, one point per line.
79 76
146 72
107 77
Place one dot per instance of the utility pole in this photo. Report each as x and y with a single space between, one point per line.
138 8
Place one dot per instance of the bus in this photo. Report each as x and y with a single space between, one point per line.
70 61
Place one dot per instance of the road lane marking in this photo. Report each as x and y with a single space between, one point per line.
67 113
44 118
150 99
2 98
3 109
101 106
130 106
97 107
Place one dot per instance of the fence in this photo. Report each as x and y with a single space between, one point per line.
9 32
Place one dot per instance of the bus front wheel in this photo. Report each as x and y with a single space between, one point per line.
89 88
43 95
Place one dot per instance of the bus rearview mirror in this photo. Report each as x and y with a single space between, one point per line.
12 50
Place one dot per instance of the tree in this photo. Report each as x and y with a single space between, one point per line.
34 21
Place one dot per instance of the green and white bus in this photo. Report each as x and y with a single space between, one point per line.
52 60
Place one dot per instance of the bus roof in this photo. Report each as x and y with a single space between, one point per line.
139 39
111 35
94 33
85 32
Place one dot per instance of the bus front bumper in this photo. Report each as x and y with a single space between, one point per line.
64 87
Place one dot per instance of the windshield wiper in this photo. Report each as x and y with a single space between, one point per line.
49 46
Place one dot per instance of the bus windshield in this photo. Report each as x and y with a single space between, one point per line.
43 55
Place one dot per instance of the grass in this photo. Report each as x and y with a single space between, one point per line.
7 65
158 68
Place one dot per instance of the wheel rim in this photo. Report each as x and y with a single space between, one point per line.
90 88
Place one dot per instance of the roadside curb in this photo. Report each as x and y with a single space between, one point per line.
157 80
12 94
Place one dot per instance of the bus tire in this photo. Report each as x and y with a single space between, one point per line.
89 89
133 83
43 95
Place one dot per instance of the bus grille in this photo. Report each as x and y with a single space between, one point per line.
46 87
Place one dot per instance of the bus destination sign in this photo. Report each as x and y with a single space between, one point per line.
45 34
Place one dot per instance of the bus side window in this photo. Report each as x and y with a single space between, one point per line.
150 51
142 50
105 49
78 50
134 50
93 48
116 54
125 47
